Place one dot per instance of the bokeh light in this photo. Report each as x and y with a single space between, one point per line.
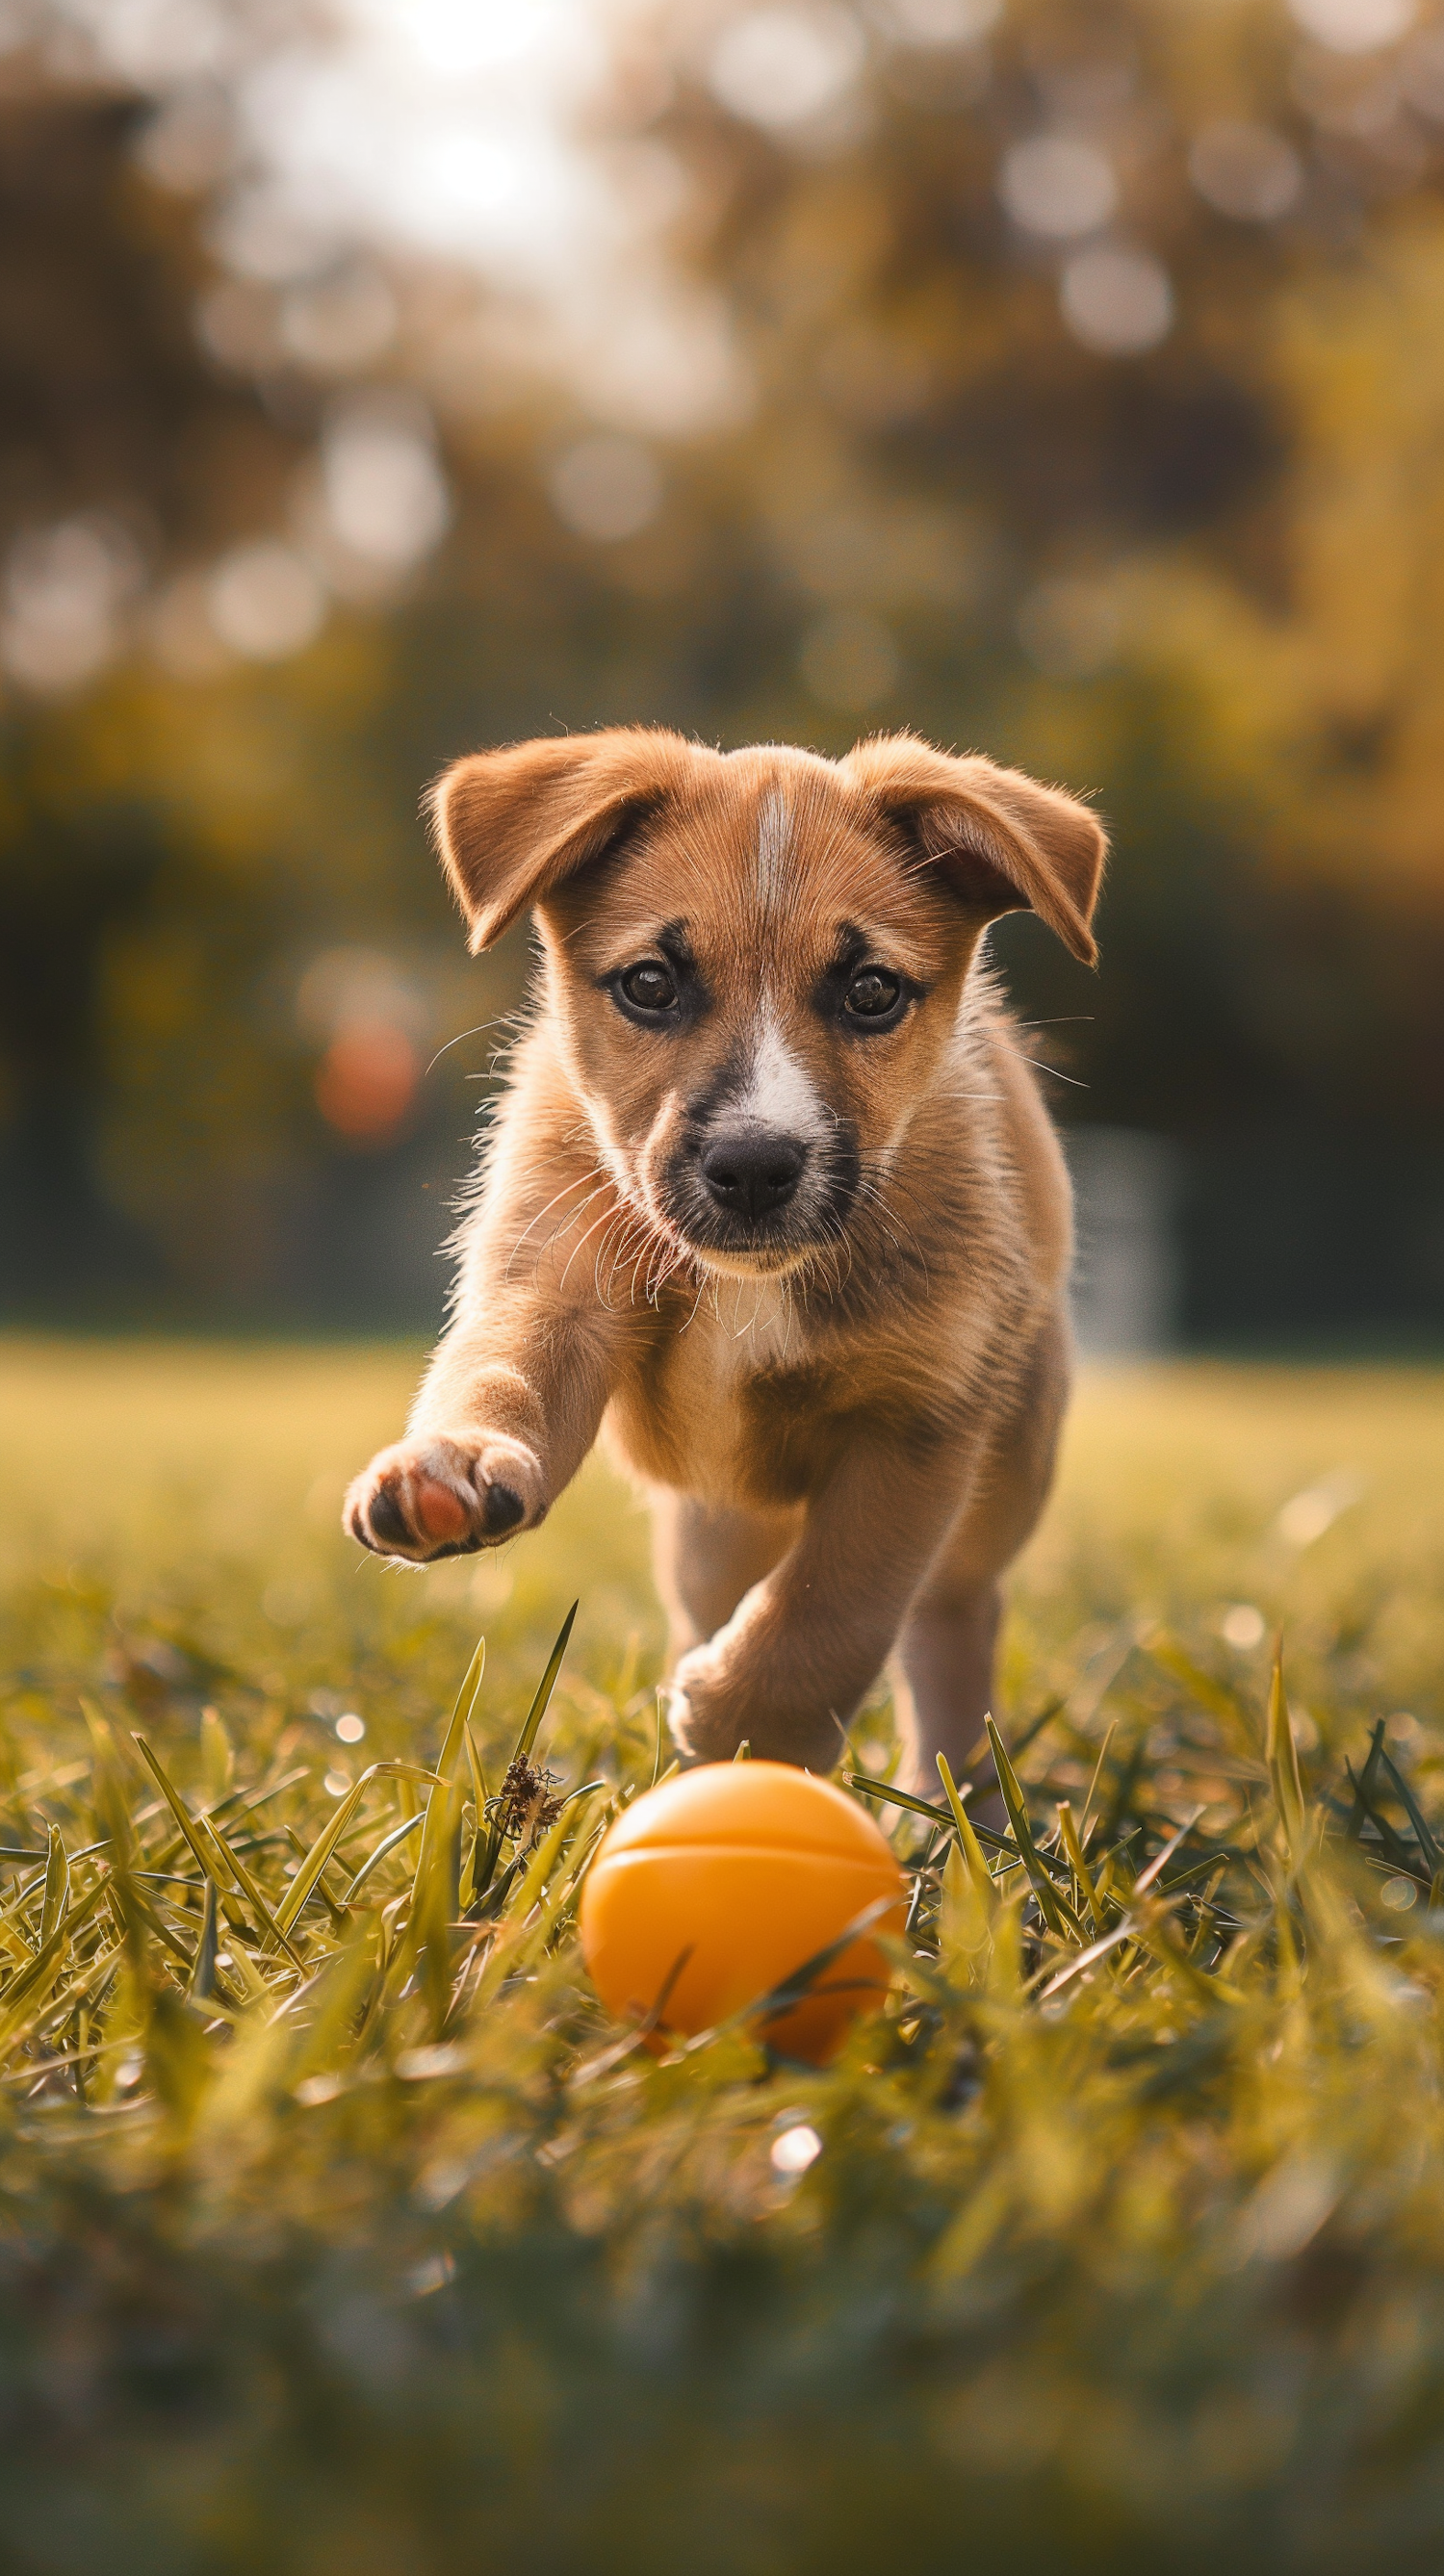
1057 186
1247 171
1116 300
783 67
607 488
65 591
266 601
1354 26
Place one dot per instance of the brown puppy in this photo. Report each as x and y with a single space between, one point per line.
772 1192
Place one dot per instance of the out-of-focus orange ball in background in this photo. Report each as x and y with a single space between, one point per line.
366 1081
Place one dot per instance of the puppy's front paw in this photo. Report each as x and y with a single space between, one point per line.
445 1495
712 1700
706 1718
721 1696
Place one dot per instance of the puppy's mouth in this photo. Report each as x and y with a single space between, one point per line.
752 1261
752 1202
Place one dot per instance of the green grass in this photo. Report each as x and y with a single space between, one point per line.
368 2244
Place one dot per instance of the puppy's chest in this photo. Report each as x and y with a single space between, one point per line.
737 1403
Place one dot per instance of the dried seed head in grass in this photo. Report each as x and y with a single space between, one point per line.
525 1807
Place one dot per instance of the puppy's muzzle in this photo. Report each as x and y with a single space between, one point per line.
751 1172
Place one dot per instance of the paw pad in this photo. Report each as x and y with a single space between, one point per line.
439 1512
387 1519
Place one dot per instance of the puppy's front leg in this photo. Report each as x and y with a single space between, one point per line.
806 1643
510 1405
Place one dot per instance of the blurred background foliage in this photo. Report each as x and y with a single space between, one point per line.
1066 380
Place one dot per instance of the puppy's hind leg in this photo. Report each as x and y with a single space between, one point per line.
945 1669
949 1638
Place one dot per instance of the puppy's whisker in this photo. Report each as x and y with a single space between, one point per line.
619 1247
696 1302
881 1209
1039 1066
461 1035
674 1260
905 1243
595 1174
597 1223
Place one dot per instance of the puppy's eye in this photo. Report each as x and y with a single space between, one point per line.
649 987
873 994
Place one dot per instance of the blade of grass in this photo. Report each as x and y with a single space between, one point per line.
326 1841
512 1947
45 1965
434 1896
978 1751
1363 1786
479 1789
203 1854
443 1812
1109 1734
883 1789
470 1691
524 1743
131 1906
208 1842
333 1905
572 1849
968 1843
1134 1759
246 1800
1057 1913
479 1795
1220 1702
398 1834
12 1928
651 2021
1427 1844
547 1684
1068 1833
1146 1877
1282 1756
1391 1845
202 1983
250 1891
86 1989
1088 1958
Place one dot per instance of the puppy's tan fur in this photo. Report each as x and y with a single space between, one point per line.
846 1409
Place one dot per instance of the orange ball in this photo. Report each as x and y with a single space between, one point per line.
740 1871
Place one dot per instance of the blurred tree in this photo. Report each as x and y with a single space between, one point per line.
201 795
118 441
1073 388
1101 409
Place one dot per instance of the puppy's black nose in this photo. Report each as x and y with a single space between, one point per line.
750 1171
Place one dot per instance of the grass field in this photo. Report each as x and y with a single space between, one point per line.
340 2229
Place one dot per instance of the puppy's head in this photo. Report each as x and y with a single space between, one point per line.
754 961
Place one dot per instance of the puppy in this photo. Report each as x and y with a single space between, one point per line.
773 1195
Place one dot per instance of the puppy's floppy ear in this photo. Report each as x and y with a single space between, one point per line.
1004 843
510 825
